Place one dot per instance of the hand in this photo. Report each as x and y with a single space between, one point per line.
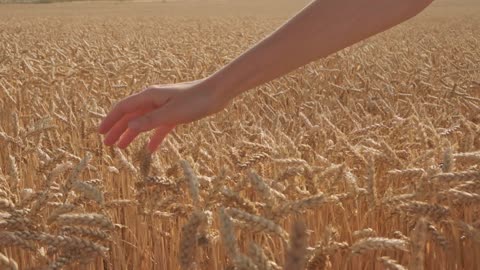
159 107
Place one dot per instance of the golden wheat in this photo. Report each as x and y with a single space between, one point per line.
375 148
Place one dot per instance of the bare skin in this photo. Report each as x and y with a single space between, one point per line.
320 29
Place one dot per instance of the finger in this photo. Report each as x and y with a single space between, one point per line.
121 126
131 104
127 138
123 107
158 137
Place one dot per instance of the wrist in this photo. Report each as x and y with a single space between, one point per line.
219 88
231 81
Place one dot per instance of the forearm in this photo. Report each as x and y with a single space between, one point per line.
322 28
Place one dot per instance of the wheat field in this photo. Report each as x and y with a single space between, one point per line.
368 159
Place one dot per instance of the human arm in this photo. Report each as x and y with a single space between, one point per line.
320 29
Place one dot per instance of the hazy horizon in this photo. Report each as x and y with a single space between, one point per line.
269 8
